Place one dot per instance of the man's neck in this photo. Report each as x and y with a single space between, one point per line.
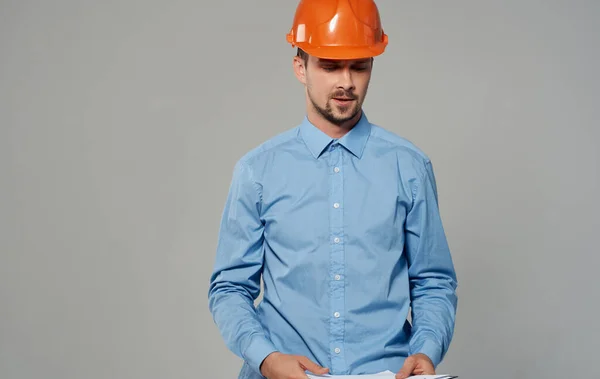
329 128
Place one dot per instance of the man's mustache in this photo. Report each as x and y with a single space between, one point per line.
344 95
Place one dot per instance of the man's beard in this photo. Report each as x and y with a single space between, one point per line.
327 112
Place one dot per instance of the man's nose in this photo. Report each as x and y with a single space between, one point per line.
346 80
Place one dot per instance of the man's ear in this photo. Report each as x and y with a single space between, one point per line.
300 69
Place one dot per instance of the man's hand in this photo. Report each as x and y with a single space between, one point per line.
284 366
418 364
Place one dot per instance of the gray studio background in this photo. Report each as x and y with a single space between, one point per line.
120 123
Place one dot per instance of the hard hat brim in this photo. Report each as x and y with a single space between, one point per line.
342 52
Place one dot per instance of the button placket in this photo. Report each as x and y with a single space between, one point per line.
337 290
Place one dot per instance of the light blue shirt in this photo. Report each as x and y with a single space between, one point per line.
347 236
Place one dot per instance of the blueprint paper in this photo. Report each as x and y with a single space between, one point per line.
379 375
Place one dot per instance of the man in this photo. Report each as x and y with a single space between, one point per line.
340 218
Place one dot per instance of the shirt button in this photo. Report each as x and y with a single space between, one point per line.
337 350
337 169
336 205
337 277
336 240
336 314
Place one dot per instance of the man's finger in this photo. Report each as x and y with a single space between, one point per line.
298 373
311 366
409 365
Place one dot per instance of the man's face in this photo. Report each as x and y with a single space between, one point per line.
337 88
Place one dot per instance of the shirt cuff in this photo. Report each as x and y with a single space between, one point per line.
432 349
258 349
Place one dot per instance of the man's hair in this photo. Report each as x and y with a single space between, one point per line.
303 55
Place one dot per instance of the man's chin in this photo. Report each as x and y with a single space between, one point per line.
340 119
337 114
346 114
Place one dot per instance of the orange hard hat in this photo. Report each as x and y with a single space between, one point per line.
338 29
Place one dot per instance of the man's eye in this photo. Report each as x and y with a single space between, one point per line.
329 68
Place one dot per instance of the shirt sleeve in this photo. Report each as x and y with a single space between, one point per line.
235 280
431 272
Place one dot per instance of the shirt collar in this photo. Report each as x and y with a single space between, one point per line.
355 140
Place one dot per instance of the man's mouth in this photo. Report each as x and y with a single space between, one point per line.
343 99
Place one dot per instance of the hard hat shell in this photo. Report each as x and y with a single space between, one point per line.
338 29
